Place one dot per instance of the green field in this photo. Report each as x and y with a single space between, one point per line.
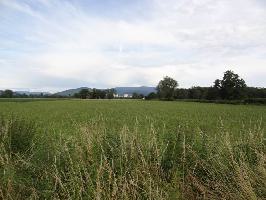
126 149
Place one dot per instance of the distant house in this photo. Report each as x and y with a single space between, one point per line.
123 95
127 96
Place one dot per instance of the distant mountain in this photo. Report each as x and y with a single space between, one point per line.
70 92
22 92
130 90
119 90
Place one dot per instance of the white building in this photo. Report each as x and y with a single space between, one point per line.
127 96
123 95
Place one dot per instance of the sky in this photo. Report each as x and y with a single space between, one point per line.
52 45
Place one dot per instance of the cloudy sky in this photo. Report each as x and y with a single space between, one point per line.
57 44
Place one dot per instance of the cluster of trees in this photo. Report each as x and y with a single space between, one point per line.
12 94
211 93
230 87
6 94
95 94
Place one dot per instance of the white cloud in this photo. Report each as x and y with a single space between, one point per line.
192 41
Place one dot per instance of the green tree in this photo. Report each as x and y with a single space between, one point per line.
213 93
197 92
97 94
166 88
77 95
84 93
110 93
151 95
217 84
7 94
181 93
101 94
231 86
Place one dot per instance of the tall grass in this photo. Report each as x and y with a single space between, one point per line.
95 163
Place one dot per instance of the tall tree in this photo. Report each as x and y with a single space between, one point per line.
231 86
166 88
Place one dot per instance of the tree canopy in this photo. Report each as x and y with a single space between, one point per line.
95 94
231 86
166 88
7 94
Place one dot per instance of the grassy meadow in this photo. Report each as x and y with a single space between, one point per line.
131 149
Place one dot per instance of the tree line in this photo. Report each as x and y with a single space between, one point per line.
11 94
95 94
230 87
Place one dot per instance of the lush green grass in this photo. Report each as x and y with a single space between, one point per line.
123 149
166 116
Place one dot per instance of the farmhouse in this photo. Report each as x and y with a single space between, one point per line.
123 95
